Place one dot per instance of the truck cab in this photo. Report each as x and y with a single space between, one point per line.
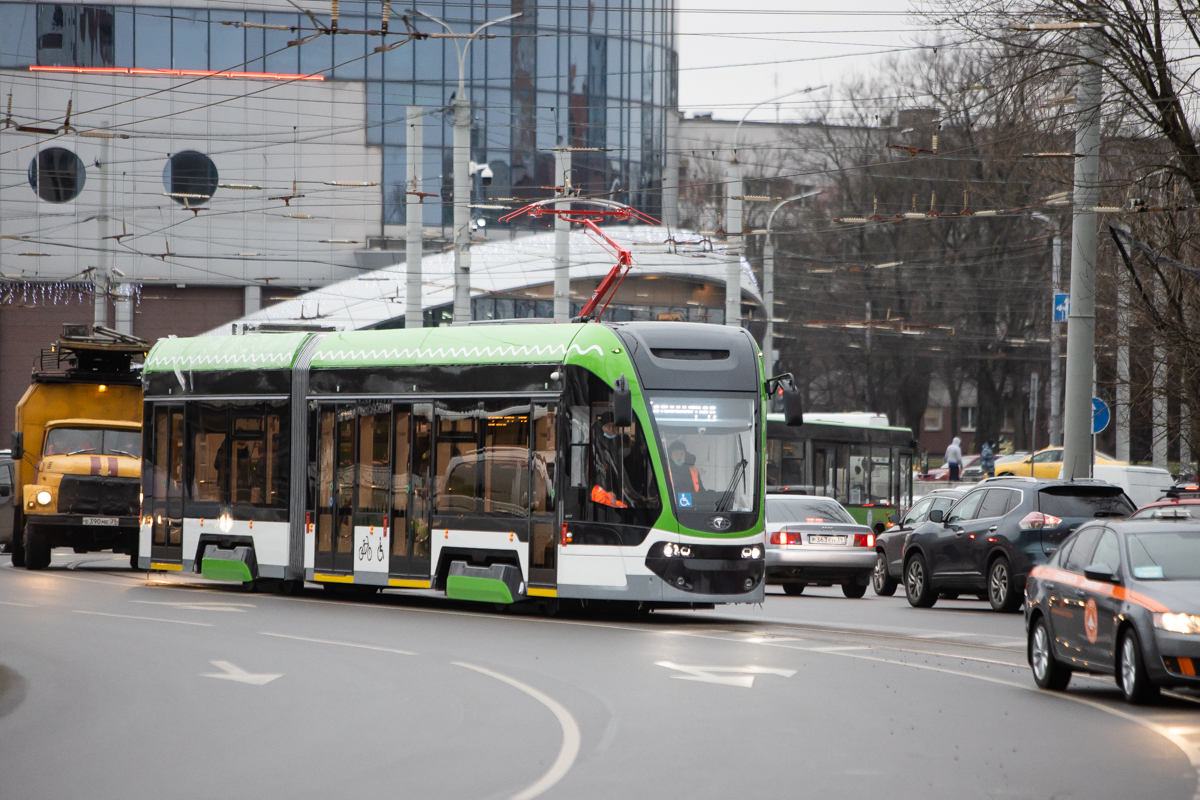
77 445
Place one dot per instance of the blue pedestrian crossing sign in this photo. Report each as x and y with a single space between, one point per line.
1100 415
1062 307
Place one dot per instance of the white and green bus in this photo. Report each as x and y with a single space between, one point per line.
491 462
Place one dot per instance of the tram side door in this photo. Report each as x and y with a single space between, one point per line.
411 493
166 542
543 500
335 489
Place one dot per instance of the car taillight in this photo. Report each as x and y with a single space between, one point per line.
783 537
864 540
1036 521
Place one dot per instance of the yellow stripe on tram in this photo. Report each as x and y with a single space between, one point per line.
317 576
155 565
407 584
533 591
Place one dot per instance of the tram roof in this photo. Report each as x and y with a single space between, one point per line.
499 268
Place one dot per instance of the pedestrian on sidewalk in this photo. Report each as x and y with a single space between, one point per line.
954 459
987 458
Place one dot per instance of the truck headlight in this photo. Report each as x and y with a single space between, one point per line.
44 498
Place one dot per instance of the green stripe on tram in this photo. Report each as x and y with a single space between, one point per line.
483 590
224 569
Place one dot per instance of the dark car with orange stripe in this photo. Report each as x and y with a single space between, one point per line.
989 540
1121 598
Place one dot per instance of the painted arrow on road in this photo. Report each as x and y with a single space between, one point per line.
726 676
229 672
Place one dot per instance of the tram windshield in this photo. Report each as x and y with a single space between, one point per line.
708 444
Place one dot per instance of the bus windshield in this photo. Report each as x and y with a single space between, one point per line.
93 441
708 442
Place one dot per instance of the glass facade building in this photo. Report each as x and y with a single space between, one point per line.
595 76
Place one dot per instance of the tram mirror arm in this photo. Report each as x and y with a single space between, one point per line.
18 445
622 403
793 403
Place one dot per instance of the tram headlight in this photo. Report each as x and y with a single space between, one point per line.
44 498
752 552
671 550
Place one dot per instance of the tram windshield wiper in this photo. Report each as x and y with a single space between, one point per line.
738 473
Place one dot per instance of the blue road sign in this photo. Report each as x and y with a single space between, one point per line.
1062 307
1100 415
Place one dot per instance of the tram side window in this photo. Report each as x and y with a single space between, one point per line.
374 458
545 459
239 454
483 459
612 475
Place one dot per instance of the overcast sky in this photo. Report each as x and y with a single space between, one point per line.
815 42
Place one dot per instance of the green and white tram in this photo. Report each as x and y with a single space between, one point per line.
493 462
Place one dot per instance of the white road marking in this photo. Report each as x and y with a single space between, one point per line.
199 606
834 648
340 644
570 733
148 619
21 605
229 672
726 676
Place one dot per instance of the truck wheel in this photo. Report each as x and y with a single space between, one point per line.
17 548
37 549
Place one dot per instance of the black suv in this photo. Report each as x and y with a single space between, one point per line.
988 541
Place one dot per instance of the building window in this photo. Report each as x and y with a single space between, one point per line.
74 36
966 418
190 178
933 419
57 175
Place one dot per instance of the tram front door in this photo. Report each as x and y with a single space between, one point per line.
335 490
411 495
166 501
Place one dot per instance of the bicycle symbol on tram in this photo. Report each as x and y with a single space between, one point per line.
364 551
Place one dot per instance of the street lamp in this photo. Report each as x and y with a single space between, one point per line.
462 166
733 216
769 283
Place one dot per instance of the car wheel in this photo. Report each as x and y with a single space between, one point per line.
37 549
917 586
1048 672
881 580
793 589
853 589
1002 593
1132 676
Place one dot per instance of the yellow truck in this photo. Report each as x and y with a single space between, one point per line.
77 446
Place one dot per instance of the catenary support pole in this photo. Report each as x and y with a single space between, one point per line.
462 208
414 224
733 227
251 299
670 178
562 242
100 317
1121 411
1081 323
1055 404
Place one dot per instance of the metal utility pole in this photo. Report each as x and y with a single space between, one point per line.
1055 403
1033 408
734 223
414 223
562 241
462 167
733 227
1081 323
768 348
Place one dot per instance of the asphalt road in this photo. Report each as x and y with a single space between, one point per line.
115 684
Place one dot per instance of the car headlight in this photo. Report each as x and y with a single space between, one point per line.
44 498
1177 623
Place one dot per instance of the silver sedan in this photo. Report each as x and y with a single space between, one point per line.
813 540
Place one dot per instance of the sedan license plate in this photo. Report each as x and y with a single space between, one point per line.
816 538
108 521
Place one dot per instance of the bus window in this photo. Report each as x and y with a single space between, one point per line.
792 467
860 474
774 449
881 476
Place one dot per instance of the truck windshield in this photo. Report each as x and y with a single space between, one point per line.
709 443
93 441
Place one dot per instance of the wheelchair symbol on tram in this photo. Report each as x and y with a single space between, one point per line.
381 549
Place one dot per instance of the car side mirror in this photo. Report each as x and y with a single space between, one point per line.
937 515
1100 572
893 518
622 403
18 445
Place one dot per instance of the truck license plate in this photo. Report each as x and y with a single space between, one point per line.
109 521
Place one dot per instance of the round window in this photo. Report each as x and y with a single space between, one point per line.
57 175
190 178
